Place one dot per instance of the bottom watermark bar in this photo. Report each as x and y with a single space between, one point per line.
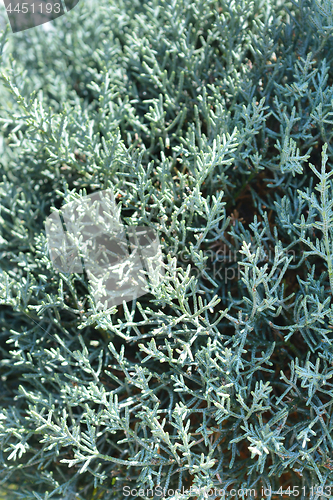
239 493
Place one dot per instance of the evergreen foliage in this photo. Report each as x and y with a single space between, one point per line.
212 123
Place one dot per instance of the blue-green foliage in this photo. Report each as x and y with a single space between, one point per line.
212 122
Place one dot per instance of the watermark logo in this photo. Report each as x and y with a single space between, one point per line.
122 263
25 14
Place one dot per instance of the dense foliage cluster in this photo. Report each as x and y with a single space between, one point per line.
212 123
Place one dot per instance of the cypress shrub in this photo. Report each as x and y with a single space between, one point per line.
212 124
